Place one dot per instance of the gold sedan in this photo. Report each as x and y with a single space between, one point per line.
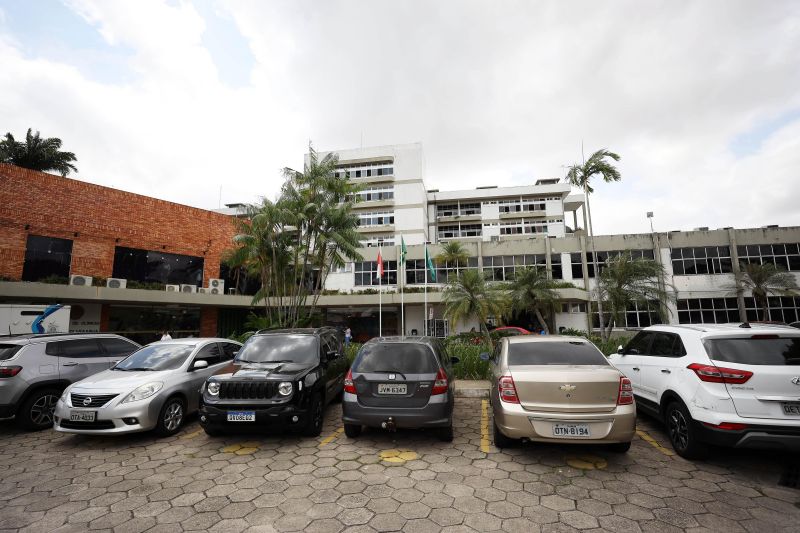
559 389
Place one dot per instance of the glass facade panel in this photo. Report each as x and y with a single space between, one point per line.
157 267
47 257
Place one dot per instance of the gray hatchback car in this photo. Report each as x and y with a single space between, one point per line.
400 382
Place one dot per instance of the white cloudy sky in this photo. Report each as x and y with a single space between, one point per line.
177 99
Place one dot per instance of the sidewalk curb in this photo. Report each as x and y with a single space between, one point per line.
472 389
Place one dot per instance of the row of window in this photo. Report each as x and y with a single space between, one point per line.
459 230
365 172
379 240
515 206
702 260
458 209
602 257
637 315
376 218
523 227
786 256
723 310
504 267
375 193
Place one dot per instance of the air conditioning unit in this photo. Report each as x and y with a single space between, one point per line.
80 281
216 286
173 288
189 288
116 283
203 290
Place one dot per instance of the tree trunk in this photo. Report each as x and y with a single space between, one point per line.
541 320
488 337
596 270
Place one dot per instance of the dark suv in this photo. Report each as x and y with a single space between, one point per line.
280 379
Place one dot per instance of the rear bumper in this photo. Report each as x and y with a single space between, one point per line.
614 426
437 413
785 438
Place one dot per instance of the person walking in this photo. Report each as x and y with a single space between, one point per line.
165 336
348 336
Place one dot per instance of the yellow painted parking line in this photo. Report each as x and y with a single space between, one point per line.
397 456
654 443
329 438
586 462
192 434
485 442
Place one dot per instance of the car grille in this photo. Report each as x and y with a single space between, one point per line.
246 390
96 400
97 424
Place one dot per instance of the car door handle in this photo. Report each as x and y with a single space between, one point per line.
71 363
636 368
665 371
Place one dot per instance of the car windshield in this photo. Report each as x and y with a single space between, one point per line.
279 349
156 357
555 353
756 350
401 358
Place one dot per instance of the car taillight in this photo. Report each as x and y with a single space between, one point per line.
9 371
718 374
349 386
441 384
507 390
625 396
726 426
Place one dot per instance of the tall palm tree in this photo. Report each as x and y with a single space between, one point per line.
765 280
532 291
626 281
37 153
581 176
470 296
453 253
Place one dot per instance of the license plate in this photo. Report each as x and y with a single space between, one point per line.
791 409
241 416
82 416
571 430
391 388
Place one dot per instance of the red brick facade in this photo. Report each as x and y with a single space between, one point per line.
37 203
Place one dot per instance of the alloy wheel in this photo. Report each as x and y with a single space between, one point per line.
173 416
42 410
678 429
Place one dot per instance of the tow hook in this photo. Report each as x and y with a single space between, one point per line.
389 424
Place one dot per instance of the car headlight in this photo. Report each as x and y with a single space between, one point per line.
145 391
285 388
65 396
213 388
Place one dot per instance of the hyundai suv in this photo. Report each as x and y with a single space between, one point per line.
35 370
280 379
729 384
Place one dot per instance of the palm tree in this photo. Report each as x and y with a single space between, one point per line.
626 281
765 280
470 296
580 176
37 153
453 254
531 290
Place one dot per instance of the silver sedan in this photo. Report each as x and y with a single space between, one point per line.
154 388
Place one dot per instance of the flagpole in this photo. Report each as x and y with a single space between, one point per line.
425 308
380 293
402 283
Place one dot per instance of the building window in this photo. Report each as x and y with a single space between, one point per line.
602 257
47 257
786 256
454 231
157 267
724 310
503 267
701 260
376 218
577 265
378 240
416 270
371 194
638 315
447 210
364 170
366 273
555 264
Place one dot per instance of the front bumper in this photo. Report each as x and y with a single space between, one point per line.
268 418
438 413
614 426
764 437
7 411
116 419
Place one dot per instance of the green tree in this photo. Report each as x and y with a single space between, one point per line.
581 176
764 281
625 281
37 153
531 290
470 296
453 254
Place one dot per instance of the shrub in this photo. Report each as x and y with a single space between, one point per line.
470 365
607 347
55 280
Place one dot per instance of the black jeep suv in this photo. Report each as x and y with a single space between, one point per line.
279 379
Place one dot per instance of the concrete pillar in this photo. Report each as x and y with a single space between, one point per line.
737 271
208 321
548 260
105 312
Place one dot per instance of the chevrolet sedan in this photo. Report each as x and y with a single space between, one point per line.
559 389
154 388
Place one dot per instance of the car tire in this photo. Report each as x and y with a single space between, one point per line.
36 412
352 430
500 440
682 434
446 434
313 427
620 447
171 417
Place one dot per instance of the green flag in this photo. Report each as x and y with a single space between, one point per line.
402 251
429 263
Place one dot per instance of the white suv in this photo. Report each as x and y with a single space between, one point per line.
727 384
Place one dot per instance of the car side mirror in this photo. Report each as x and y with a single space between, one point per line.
236 353
201 363
621 350
485 356
455 360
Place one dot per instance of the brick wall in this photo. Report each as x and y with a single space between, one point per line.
37 203
208 321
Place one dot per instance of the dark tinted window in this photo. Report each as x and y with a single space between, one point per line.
275 348
7 351
210 353
75 349
46 257
157 357
118 346
405 358
640 344
228 350
662 344
159 267
555 353
758 351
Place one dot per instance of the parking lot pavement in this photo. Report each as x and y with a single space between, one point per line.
406 481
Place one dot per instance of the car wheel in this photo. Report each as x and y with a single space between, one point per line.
446 434
36 413
171 417
352 430
682 435
500 440
620 447
314 423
